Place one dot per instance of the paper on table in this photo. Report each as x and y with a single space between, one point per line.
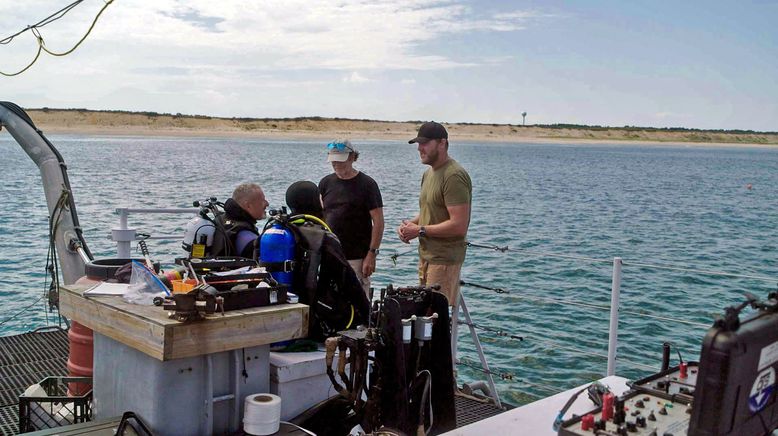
104 288
243 270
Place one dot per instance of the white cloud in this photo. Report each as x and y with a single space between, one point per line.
192 56
669 115
293 34
355 77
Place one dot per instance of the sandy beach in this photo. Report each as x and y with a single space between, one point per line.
152 124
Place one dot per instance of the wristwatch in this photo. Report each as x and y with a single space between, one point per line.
422 232
374 251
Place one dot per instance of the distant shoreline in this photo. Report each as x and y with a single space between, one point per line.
88 122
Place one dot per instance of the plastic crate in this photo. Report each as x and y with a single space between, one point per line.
53 403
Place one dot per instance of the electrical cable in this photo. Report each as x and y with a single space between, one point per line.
52 267
35 30
21 311
50 19
671 344
54 220
497 332
579 304
299 428
94 22
623 262
35 59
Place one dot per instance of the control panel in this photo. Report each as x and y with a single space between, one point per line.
634 413
678 380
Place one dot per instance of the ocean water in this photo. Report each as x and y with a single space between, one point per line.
671 205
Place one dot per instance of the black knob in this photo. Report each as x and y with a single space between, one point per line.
631 426
640 404
663 411
651 416
641 421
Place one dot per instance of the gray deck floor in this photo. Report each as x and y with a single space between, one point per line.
470 411
27 359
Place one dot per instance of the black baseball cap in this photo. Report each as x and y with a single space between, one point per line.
430 130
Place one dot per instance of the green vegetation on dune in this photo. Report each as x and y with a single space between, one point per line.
512 132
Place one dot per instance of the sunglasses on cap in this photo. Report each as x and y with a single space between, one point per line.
340 146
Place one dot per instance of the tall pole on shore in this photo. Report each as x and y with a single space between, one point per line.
524 118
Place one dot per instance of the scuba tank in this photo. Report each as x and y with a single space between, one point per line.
198 237
277 248
200 230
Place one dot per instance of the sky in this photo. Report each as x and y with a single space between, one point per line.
695 64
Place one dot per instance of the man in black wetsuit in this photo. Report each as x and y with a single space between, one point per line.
238 231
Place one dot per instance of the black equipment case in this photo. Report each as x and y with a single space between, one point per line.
735 391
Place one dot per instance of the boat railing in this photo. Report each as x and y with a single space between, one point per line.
123 235
615 309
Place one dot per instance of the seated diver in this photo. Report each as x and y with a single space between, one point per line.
303 197
323 277
236 232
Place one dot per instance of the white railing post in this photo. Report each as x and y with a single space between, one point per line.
122 235
613 333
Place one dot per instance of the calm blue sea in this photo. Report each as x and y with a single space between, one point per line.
670 205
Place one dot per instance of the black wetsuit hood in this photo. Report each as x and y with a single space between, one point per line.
235 212
234 220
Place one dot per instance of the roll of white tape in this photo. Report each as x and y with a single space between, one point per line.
261 414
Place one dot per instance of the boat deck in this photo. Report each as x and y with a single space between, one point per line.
27 359
470 410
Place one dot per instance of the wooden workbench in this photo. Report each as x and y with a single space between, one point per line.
149 329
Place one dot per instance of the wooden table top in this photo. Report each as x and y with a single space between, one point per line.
149 329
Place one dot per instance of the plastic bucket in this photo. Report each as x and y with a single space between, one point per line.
183 286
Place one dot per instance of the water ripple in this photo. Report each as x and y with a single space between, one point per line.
661 205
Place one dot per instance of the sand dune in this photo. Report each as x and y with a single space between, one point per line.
126 123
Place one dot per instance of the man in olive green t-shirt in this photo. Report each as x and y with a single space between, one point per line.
444 213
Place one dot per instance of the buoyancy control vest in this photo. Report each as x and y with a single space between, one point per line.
336 297
399 405
323 278
229 225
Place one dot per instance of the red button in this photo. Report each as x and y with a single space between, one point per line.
587 422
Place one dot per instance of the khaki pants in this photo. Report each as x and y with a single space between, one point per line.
447 276
356 265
